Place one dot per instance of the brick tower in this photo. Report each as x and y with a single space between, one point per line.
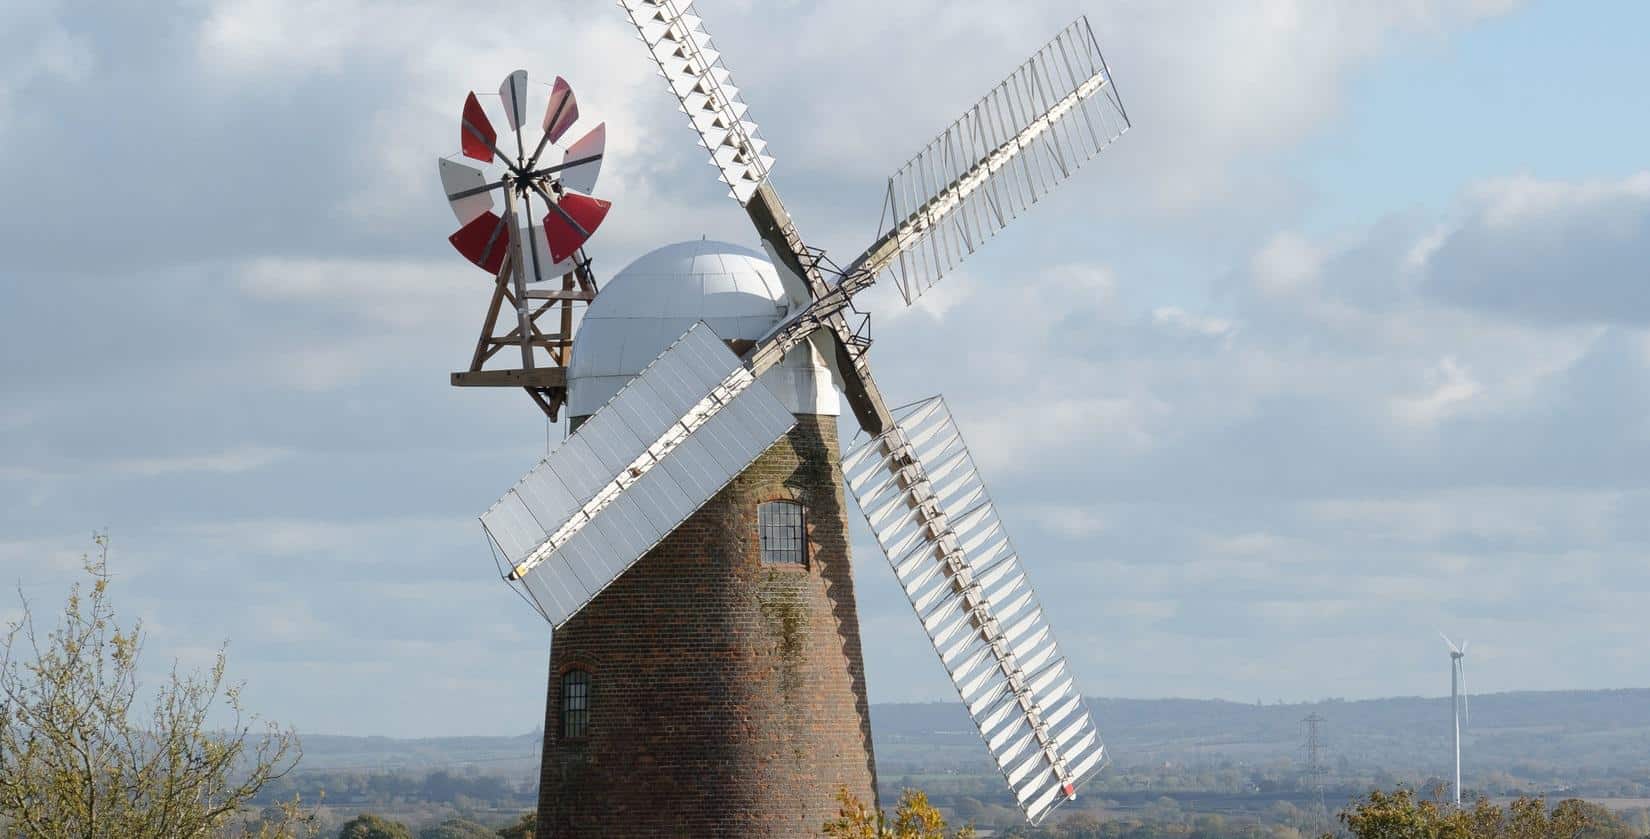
716 688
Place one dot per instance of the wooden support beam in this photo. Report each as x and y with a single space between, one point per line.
560 294
538 377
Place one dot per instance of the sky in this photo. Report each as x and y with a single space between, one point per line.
1345 343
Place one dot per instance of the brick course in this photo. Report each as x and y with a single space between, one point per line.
727 698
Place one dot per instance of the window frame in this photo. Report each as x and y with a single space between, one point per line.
575 677
800 550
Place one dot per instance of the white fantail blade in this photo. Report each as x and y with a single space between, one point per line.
1032 131
581 176
693 68
469 184
562 111
922 495
513 92
535 252
635 470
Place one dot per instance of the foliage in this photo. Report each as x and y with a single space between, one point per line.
457 829
287 820
522 829
914 818
383 790
73 761
1402 814
373 826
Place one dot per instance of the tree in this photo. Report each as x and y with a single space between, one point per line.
373 826
522 828
914 818
457 829
1401 814
75 760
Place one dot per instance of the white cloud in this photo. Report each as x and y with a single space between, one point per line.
233 461
1450 387
1287 263
1176 318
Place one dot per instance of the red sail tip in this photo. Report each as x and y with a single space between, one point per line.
1069 789
483 241
565 238
476 134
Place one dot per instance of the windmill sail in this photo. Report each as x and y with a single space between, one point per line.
672 438
702 84
920 492
1028 134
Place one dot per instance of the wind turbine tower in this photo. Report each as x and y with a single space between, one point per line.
1457 701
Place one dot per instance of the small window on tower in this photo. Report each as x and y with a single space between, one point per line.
780 525
575 703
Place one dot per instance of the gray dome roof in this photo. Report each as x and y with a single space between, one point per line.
648 305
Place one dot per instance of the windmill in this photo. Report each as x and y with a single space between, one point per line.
1460 710
697 416
522 250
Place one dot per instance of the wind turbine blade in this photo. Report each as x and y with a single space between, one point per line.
967 585
1452 647
1031 132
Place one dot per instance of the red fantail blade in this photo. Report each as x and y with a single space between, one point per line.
483 241
562 112
570 227
476 133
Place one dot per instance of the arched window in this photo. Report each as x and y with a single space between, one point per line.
783 540
575 702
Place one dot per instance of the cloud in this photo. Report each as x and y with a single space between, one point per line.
1206 418
1451 387
1551 251
38 49
230 462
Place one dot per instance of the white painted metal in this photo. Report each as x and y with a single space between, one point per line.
537 254
690 63
969 590
456 178
513 92
981 172
1457 696
636 469
582 178
653 300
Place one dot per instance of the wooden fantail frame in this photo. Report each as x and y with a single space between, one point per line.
543 378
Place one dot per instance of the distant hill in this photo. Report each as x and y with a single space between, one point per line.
1591 731
1598 731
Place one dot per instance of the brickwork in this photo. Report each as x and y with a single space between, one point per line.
727 698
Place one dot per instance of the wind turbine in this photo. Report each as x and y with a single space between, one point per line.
1458 701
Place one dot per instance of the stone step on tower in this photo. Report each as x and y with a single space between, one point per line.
717 688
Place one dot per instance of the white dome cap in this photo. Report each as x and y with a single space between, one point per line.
649 304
